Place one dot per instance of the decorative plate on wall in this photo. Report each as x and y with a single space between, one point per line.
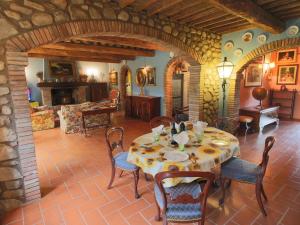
262 38
247 37
228 45
292 30
238 52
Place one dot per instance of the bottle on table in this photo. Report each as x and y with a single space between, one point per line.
181 127
173 132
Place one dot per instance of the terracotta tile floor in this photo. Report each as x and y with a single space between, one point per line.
74 172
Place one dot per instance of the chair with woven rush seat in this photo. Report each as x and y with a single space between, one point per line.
247 172
185 202
114 140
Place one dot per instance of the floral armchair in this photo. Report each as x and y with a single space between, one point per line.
71 121
43 120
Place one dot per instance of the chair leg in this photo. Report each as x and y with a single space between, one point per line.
263 192
165 221
113 173
121 173
258 193
147 177
222 199
158 216
136 176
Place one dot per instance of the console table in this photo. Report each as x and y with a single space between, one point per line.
262 116
143 107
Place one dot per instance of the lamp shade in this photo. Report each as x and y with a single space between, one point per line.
225 68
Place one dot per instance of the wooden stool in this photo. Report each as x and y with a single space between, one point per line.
246 120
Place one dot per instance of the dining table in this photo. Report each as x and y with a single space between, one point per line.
154 155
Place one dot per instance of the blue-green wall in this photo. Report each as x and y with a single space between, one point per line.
236 37
159 61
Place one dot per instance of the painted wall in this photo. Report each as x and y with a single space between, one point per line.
159 62
246 98
35 65
236 37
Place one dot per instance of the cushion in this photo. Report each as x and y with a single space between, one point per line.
241 170
180 211
121 162
246 119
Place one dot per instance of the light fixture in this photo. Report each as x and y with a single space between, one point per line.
267 68
225 69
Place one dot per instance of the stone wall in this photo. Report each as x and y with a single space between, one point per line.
28 24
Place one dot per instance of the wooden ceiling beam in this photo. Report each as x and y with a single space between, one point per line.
212 20
74 58
253 13
201 15
124 3
233 22
76 53
161 6
101 49
131 42
181 7
190 12
145 5
226 29
288 6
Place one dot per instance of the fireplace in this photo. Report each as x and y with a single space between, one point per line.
63 96
63 93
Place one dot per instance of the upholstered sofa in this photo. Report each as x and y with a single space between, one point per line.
71 121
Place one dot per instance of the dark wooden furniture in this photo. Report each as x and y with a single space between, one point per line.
114 140
143 107
286 101
97 91
244 171
62 84
161 120
89 112
262 116
179 196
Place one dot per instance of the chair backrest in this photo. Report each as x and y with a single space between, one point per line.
161 120
114 140
185 199
269 142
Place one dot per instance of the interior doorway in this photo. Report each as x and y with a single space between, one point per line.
128 79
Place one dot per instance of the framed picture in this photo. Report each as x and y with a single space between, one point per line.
287 56
113 77
253 75
287 75
61 68
141 77
151 76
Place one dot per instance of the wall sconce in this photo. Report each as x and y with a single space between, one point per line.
225 69
267 68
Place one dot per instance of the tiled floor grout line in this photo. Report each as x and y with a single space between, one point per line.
284 214
235 213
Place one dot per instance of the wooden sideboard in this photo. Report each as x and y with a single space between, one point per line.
97 91
262 116
143 107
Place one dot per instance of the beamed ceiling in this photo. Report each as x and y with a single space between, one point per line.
218 16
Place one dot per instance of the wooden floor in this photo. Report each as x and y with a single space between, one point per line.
74 173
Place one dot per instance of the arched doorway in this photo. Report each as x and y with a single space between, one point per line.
234 90
54 25
125 83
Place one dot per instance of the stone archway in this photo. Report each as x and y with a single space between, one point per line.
234 89
53 21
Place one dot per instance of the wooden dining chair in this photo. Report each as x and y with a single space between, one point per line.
185 202
247 172
161 120
114 140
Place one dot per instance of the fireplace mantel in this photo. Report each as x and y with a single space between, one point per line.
62 84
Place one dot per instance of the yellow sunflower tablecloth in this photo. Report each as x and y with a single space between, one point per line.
215 148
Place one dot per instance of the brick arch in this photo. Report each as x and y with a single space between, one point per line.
195 105
16 60
234 90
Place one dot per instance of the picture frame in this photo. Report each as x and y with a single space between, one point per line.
253 75
151 76
287 56
149 73
113 77
58 69
287 74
